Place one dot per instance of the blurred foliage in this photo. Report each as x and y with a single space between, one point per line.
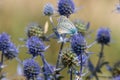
15 15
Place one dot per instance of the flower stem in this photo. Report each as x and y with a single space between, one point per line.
100 58
97 69
59 55
81 64
54 28
71 75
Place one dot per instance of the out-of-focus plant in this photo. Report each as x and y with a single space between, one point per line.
75 57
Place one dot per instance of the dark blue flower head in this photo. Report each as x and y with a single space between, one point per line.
4 41
31 69
11 52
48 9
66 7
103 36
35 46
78 44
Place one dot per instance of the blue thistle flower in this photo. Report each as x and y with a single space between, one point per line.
103 36
11 52
78 44
66 7
31 69
35 46
48 9
4 41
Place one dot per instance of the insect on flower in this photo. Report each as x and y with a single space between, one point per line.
65 26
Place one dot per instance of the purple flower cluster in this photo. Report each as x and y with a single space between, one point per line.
9 50
66 7
78 44
31 69
35 46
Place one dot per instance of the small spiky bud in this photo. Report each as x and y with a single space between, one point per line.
69 59
66 7
81 26
103 36
48 9
34 29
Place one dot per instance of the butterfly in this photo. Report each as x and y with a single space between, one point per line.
65 26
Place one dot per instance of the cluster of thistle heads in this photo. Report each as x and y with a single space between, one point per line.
75 57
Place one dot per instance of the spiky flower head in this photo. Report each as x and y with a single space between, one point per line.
4 41
82 26
33 29
35 46
103 36
48 9
68 58
31 69
78 44
11 52
66 7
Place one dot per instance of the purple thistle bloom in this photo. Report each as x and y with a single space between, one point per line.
103 36
31 69
35 46
78 44
4 41
66 7
11 52
48 9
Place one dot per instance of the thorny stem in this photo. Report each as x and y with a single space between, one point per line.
59 55
54 28
45 63
51 21
81 64
71 75
97 69
100 57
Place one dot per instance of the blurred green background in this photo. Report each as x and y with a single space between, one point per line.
15 15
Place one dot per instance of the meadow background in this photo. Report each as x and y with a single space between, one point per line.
15 15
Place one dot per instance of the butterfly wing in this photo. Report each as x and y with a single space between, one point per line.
65 26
